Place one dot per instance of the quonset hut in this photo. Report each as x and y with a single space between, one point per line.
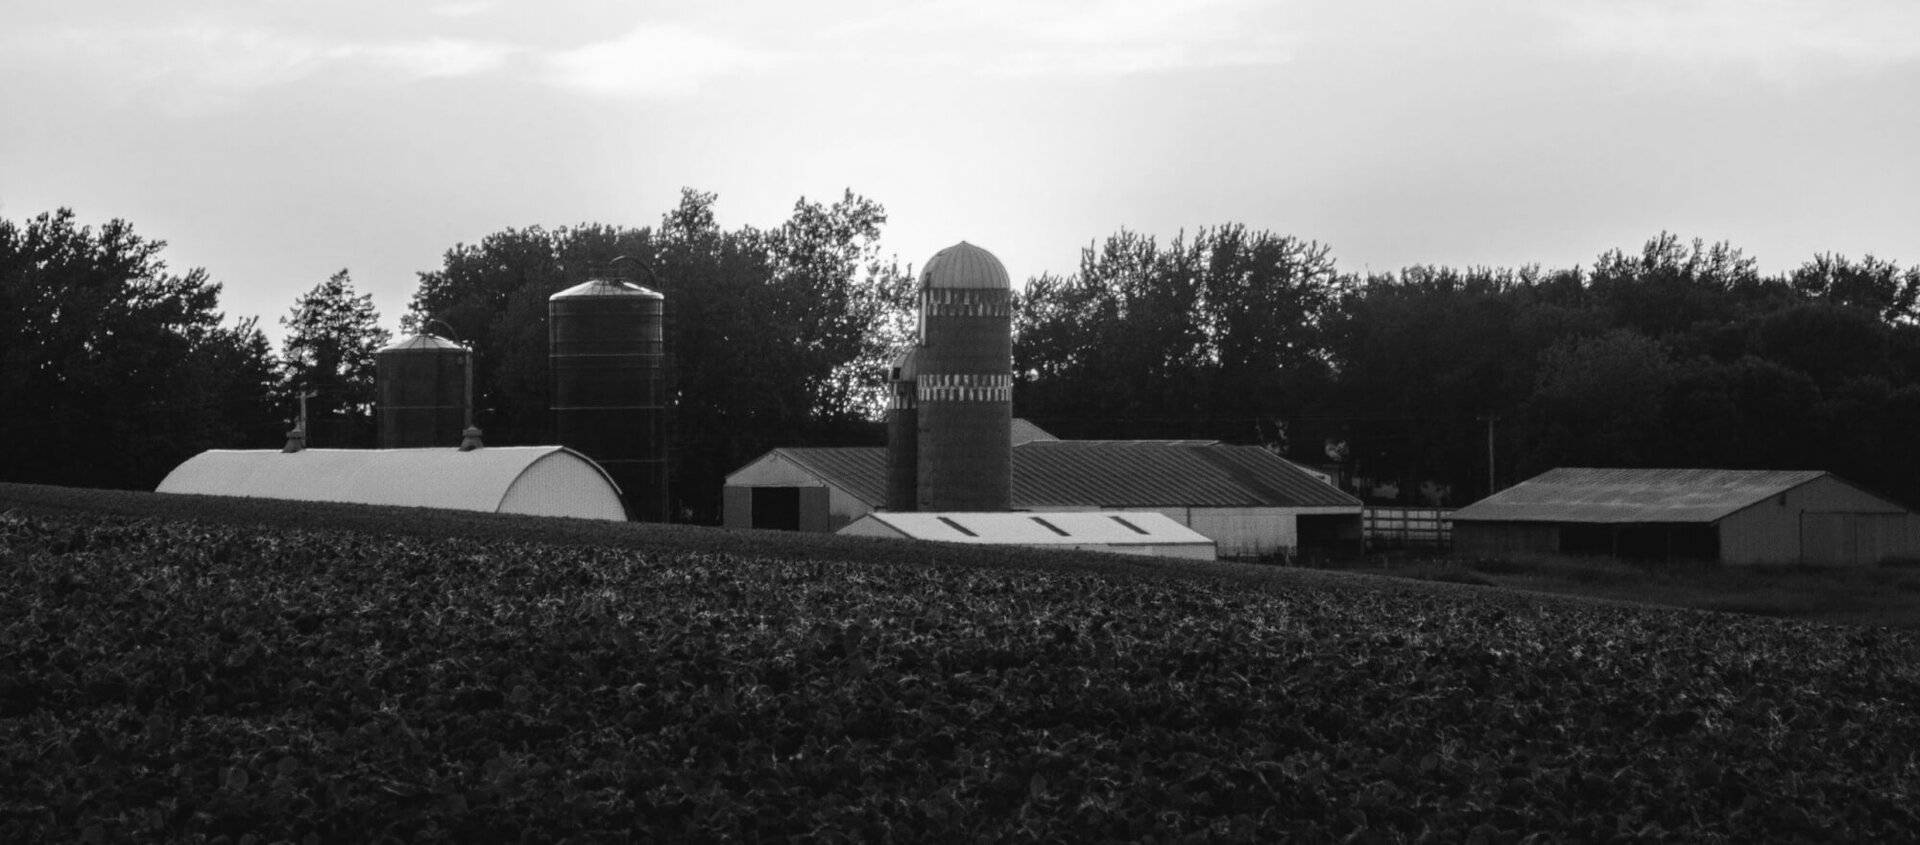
533 480
607 342
964 383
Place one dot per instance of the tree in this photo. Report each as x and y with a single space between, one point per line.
332 334
774 338
112 369
1214 335
1875 286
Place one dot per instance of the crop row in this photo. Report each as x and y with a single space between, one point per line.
171 679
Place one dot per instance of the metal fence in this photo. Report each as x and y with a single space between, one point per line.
1408 528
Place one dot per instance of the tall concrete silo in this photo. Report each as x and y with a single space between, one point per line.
965 384
421 385
606 341
903 432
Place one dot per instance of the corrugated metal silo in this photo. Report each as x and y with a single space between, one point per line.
421 385
965 384
903 432
606 342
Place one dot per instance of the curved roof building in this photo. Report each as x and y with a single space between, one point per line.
532 480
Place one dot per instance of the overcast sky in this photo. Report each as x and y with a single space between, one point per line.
273 142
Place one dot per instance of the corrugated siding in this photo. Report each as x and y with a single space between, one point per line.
1125 474
859 470
1578 494
1104 473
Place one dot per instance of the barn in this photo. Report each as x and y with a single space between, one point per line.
534 480
1729 516
1132 533
1249 501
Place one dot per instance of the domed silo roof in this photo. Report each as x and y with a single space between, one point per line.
421 342
964 265
605 288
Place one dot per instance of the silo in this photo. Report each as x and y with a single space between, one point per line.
965 384
421 385
903 432
606 342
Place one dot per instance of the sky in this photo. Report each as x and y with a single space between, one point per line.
274 142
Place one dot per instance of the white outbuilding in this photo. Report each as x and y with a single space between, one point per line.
532 480
1249 501
1125 533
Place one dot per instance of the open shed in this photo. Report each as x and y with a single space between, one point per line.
1731 516
1124 533
534 480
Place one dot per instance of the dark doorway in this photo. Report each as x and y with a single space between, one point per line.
777 508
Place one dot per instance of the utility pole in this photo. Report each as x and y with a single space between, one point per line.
1492 485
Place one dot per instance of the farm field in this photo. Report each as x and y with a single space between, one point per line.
1865 596
187 669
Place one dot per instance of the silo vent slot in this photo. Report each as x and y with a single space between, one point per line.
1050 526
960 528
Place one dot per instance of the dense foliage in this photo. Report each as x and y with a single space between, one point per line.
774 338
186 680
1679 355
112 368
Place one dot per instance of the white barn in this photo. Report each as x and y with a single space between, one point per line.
533 480
1129 533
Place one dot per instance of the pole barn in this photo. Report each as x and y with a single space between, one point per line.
1730 516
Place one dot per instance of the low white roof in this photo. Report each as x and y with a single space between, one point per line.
542 480
1037 529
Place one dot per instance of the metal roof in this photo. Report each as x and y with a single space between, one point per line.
1038 529
859 470
1110 474
1024 431
547 480
964 265
606 287
1119 474
420 342
1584 494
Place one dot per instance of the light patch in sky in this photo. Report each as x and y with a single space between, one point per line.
1778 40
195 67
1052 37
652 60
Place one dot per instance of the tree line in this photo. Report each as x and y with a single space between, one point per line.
113 368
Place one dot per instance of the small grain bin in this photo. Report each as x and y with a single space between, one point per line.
903 432
421 385
965 383
606 342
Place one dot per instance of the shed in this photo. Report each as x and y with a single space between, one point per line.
1123 533
535 480
1249 501
1730 516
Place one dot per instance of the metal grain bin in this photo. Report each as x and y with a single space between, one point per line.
606 342
965 385
903 432
421 385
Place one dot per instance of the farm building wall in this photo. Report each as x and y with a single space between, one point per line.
1825 522
1497 539
823 507
1248 532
